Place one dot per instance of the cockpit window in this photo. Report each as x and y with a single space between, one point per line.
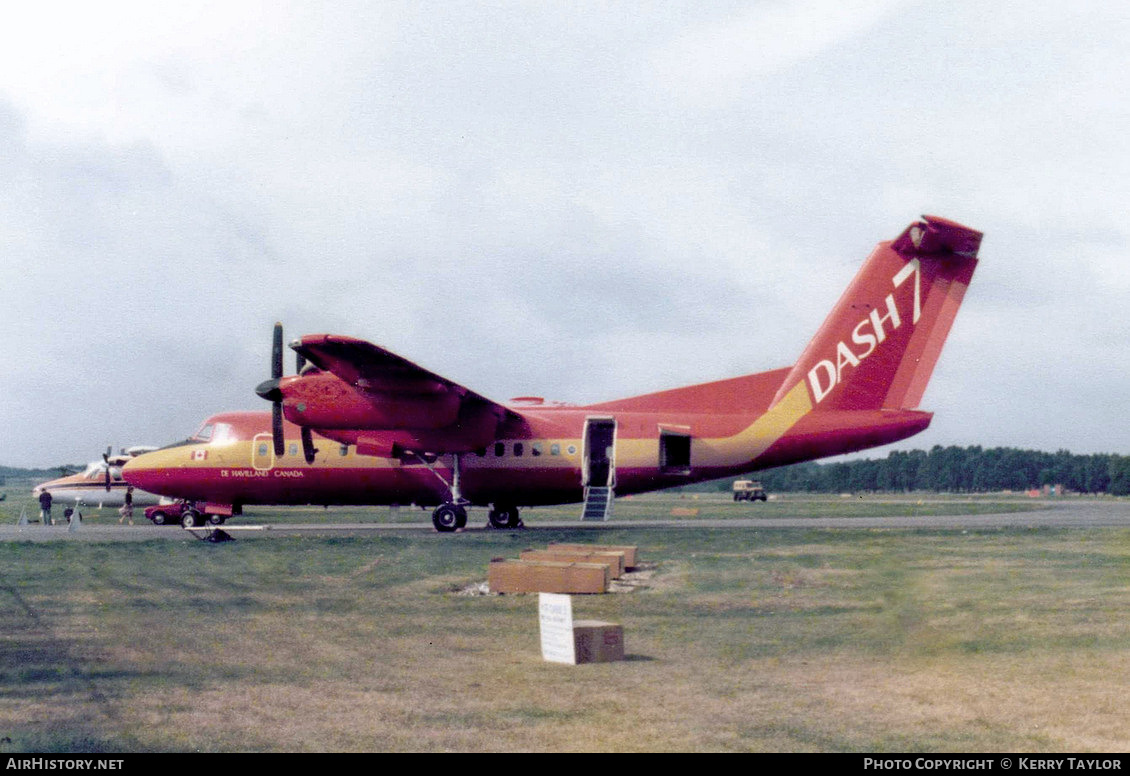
215 433
224 434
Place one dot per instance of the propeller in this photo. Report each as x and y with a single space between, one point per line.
106 458
269 390
308 449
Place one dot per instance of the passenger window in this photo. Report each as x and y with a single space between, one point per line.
344 450
499 449
293 449
555 449
517 449
263 448
535 449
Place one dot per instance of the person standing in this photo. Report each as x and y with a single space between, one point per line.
45 507
127 508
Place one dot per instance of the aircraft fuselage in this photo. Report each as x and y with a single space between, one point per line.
387 431
544 463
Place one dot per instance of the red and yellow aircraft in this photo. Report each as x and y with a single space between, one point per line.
361 425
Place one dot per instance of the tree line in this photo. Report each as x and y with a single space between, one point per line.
957 470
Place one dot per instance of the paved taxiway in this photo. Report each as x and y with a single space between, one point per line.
1060 514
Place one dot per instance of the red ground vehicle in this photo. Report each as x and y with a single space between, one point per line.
183 513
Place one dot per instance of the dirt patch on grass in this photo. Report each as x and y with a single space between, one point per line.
639 578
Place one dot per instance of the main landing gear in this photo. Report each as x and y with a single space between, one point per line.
504 516
452 515
449 517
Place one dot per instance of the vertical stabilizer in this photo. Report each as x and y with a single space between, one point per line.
878 347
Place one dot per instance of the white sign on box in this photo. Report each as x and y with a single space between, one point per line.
555 612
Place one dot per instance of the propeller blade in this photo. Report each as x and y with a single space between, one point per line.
106 459
277 353
269 390
299 362
277 428
308 449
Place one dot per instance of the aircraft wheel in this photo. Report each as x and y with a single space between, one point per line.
503 517
448 517
160 518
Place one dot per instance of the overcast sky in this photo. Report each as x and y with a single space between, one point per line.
582 201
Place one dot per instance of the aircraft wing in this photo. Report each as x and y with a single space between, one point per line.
380 373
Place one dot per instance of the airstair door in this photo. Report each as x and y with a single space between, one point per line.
599 467
599 462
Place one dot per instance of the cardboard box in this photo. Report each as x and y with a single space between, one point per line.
630 551
528 576
598 642
614 560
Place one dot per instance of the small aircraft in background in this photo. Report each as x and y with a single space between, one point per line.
100 484
358 424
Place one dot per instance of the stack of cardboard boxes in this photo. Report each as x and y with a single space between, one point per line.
562 568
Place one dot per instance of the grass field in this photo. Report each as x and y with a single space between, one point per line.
738 640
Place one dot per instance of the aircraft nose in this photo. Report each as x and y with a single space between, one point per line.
165 472
139 472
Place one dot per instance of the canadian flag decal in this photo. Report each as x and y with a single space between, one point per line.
199 455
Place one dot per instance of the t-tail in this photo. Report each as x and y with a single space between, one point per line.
859 381
879 346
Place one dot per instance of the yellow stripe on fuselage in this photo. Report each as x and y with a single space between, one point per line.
770 427
634 452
